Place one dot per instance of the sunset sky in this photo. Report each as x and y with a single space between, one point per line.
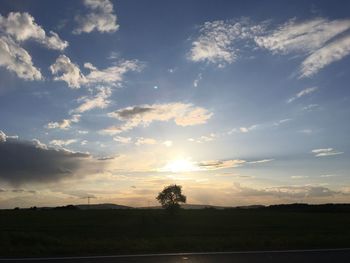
240 102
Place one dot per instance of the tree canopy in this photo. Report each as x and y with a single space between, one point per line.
171 197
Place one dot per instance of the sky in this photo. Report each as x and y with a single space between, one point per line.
239 102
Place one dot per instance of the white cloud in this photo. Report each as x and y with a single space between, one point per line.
325 152
100 100
21 27
183 115
247 129
16 59
306 36
197 80
261 161
302 93
278 123
64 124
62 143
328 54
327 175
71 74
217 41
142 140
15 29
306 131
100 18
121 139
318 38
311 107
112 75
204 138
2 136
243 129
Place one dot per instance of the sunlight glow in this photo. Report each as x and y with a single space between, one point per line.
180 166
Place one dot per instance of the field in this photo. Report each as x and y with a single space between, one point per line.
102 232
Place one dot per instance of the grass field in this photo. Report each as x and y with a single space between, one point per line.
100 232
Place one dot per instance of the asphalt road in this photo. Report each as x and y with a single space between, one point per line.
297 256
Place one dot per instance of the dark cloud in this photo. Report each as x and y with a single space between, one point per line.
32 161
220 164
129 112
23 191
106 158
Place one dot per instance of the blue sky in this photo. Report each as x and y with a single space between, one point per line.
239 102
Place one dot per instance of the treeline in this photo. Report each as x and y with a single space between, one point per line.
310 208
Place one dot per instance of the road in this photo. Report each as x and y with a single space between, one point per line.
296 256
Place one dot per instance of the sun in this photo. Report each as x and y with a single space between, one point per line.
180 166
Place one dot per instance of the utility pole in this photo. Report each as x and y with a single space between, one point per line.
88 198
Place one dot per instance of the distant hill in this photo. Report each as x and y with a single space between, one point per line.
296 207
188 206
103 206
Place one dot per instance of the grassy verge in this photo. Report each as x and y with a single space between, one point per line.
94 232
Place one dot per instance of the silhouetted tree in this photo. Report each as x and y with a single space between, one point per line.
171 197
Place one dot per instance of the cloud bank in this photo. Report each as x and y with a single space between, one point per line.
32 161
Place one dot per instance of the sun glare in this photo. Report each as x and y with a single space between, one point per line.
180 166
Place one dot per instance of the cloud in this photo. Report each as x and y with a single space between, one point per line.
325 152
22 27
2 136
32 161
142 140
299 177
17 28
278 123
306 36
100 100
62 143
320 39
243 129
330 53
64 124
197 80
121 139
100 18
261 161
204 138
223 164
181 113
112 75
218 164
16 59
306 131
311 107
217 41
112 130
71 74
327 175
302 93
